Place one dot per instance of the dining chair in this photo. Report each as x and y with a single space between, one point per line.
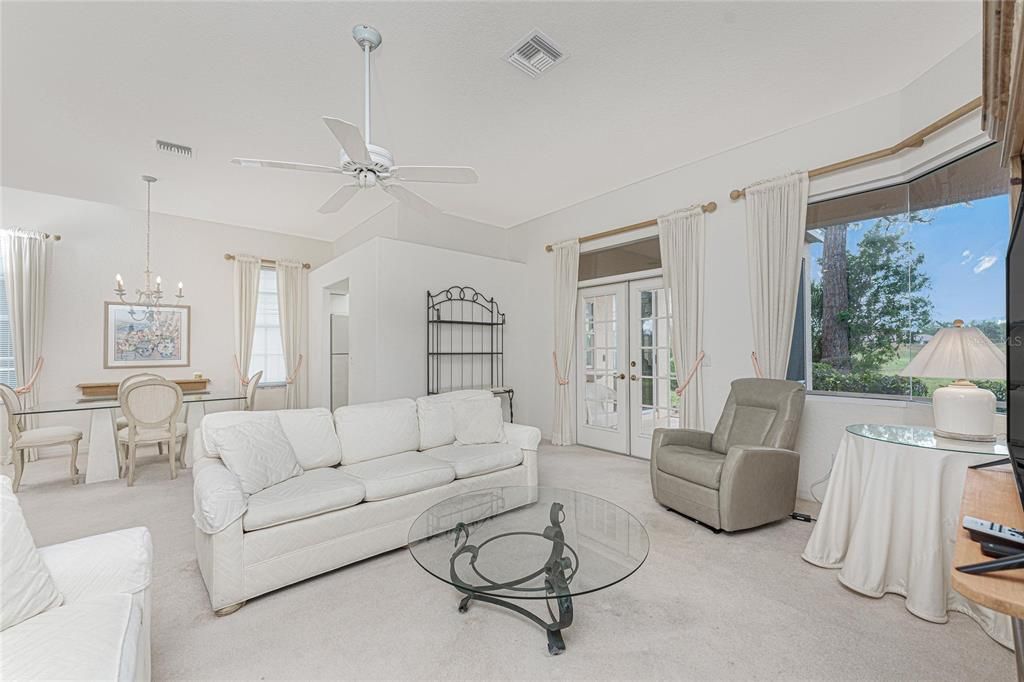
250 391
152 407
122 421
22 439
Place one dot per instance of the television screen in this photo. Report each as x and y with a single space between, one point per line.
1015 349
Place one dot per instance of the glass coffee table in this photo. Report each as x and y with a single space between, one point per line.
508 546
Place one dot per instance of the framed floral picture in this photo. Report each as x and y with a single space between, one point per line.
133 337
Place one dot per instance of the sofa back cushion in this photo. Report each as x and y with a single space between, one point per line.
27 588
373 430
478 421
436 419
310 433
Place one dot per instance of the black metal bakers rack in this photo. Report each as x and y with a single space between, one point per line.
465 343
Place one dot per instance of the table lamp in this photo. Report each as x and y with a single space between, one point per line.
961 410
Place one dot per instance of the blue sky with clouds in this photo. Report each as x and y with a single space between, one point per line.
965 255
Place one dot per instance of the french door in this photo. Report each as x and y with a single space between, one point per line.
625 373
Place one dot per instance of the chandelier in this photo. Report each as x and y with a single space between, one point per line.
148 300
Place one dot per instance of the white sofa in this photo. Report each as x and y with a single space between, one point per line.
101 631
368 473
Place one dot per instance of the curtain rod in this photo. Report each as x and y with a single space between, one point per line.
707 208
265 261
915 140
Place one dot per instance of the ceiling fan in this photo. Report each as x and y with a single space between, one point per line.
370 165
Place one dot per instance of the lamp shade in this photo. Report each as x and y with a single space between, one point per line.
958 352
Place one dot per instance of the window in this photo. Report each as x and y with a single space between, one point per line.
267 352
889 267
8 374
644 254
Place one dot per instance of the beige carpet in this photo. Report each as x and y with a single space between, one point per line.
703 606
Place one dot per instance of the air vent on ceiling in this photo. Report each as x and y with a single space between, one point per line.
174 148
535 54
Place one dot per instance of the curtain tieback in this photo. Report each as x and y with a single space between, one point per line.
291 377
689 375
22 390
757 366
562 381
244 380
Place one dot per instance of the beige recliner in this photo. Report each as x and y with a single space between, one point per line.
745 473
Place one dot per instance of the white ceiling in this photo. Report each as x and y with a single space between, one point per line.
88 87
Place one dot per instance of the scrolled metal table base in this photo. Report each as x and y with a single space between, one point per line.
558 572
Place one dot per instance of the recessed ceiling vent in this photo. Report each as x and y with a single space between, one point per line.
174 148
535 54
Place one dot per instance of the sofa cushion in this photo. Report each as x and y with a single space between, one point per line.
27 588
436 420
258 452
374 430
475 460
315 492
91 639
702 467
310 432
478 421
401 474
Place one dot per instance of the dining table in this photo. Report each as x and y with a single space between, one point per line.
102 462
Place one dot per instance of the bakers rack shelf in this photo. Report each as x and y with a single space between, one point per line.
465 343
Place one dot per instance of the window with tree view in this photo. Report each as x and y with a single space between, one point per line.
890 267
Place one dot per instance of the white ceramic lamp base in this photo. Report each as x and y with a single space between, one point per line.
964 412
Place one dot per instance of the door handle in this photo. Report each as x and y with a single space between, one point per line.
622 375
632 377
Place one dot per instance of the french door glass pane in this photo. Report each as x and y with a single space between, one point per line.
659 403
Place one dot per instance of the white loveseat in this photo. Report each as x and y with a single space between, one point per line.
368 473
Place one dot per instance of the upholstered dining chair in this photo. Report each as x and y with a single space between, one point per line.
152 407
23 439
745 473
250 391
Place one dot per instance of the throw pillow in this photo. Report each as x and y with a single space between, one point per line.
26 586
258 452
478 421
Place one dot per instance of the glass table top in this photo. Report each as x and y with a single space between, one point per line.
924 437
512 542
109 403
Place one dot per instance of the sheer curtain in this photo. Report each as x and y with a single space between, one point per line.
24 261
567 267
681 239
776 218
247 287
291 302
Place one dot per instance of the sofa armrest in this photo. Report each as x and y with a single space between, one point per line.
689 437
119 562
217 495
758 486
523 437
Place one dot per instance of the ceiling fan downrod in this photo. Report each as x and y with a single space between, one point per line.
368 38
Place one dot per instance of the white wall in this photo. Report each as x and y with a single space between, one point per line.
728 336
387 282
100 240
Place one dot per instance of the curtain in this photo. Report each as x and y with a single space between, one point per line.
24 261
291 303
567 266
681 239
247 286
776 219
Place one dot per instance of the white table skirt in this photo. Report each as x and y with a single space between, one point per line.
889 522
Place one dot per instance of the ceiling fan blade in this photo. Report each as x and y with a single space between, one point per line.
350 138
412 200
287 165
463 175
339 198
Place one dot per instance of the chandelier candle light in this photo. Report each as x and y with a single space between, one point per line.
148 300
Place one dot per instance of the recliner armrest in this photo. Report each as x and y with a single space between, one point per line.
119 562
689 437
217 495
758 485
523 437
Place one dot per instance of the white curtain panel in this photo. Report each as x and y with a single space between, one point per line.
567 267
24 261
681 238
776 219
247 287
291 302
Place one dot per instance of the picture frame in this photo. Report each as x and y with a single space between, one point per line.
164 342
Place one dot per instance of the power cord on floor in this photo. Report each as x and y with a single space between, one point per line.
807 518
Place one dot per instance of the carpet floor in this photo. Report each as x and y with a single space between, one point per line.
703 606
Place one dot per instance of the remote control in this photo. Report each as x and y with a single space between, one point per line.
996 533
991 549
